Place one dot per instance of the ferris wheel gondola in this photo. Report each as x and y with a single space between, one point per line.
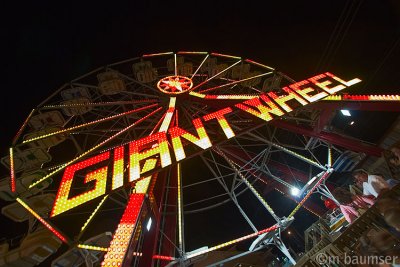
127 135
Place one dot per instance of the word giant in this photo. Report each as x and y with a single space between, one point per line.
156 146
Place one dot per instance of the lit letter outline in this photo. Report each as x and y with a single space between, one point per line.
263 110
281 100
63 203
219 115
177 133
136 155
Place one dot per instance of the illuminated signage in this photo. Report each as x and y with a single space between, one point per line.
266 106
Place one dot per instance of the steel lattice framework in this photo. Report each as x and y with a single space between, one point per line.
84 135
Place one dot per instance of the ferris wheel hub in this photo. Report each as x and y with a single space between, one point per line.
174 85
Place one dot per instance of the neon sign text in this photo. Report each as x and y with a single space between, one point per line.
156 147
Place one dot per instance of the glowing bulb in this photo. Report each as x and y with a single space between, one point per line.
345 112
295 191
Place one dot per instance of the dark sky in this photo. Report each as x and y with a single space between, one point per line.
48 44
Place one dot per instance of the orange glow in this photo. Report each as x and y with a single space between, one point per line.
281 100
89 123
89 247
258 64
240 97
142 185
12 174
136 154
363 97
219 115
118 170
261 111
161 257
267 230
324 85
179 189
378 97
62 166
153 151
120 242
121 238
16 137
177 133
175 84
228 97
37 216
145 153
93 213
168 116
223 55
304 91
349 83
63 203
158 54
191 53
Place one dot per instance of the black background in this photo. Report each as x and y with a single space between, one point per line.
48 44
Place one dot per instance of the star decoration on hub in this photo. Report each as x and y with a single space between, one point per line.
174 85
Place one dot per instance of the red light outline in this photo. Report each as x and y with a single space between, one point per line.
12 171
44 222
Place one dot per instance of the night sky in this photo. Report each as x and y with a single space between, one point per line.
48 44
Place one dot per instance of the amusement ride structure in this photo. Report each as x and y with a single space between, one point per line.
108 169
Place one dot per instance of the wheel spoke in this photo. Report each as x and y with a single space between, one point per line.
92 149
177 96
216 75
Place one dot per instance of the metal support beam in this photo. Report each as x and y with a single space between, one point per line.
287 170
232 195
324 190
311 206
221 263
181 234
290 152
249 185
393 106
324 119
282 247
348 143
287 174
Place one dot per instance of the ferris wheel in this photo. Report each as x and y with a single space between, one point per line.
115 162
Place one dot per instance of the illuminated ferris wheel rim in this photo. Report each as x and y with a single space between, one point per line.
191 84
197 86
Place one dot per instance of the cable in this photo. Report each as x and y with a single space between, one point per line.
339 33
327 48
332 57
382 62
